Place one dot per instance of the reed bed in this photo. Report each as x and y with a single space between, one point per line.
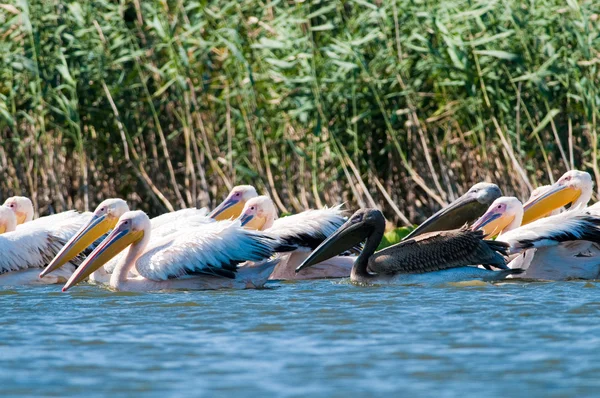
396 104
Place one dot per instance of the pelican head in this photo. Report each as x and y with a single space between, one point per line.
464 209
22 207
232 206
103 220
573 188
365 224
8 220
484 192
259 213
506 213
132 228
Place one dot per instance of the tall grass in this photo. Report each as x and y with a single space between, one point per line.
398 104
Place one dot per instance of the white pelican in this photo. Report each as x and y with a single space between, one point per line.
200 258
232 206
436 257
104 218
559 247
463 210
301 233
539 191
25 249
573 189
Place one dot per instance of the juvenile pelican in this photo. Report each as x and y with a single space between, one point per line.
301 233
197 258
463 210
446 256
573 189
104 218
26 249
558 247
232 206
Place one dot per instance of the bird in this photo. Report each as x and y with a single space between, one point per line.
559 247
234 203
104 218
200 258
465 209
436 257
573 189
28 247
23 210
300 233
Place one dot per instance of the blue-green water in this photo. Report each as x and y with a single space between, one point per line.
318 338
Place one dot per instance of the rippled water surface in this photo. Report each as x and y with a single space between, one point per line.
321 338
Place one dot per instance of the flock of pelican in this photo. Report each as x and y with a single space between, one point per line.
243 243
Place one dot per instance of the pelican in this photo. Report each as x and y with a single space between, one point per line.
445 256
301 233
573 189
232 206
69 220
22 207
539 191
559 247
203 258
27 248
463 210
104 218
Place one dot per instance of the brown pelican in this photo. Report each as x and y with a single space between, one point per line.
198 258
232 206
573 189
463 210
559 247
300 233
446 256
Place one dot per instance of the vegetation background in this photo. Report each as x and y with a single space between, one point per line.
400 104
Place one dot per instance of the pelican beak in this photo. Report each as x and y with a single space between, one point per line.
228 209
438 220
245 218
120 237
556 197
252 221
2 228
21 217
87 234
492 223
347 237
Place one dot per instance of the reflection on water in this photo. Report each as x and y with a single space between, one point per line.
319 338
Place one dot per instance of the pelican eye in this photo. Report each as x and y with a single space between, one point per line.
357 218
252 208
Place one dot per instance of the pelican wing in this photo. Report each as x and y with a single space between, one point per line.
577 224
167 224
176 216
439 251
567 260
28 248
307 230
62 225
214 249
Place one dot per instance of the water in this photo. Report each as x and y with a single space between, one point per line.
318 338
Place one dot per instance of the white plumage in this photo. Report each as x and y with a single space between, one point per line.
571 225
205 249
308 229
558 247
299 235
201 257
